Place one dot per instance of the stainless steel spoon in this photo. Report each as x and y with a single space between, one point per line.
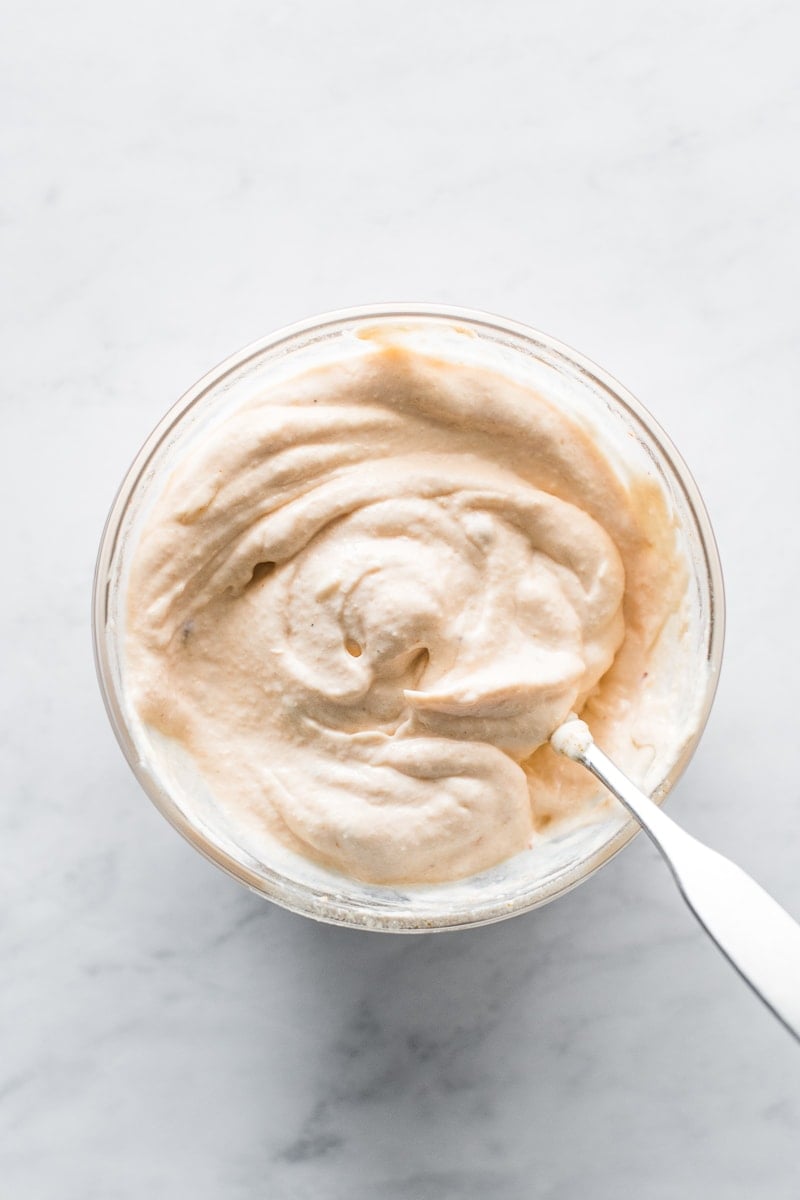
754 933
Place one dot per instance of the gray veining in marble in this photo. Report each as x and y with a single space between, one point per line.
179 180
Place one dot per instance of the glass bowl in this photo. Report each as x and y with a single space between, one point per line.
553 866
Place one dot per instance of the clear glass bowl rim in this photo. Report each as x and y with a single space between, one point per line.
286 892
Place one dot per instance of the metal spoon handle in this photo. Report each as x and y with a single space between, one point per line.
759 937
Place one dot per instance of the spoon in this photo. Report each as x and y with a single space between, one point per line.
754 933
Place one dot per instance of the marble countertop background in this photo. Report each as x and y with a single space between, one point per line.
181 179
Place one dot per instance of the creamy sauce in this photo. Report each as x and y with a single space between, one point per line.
365 600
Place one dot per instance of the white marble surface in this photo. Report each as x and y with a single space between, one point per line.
180 179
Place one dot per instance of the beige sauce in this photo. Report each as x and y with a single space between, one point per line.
366 599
